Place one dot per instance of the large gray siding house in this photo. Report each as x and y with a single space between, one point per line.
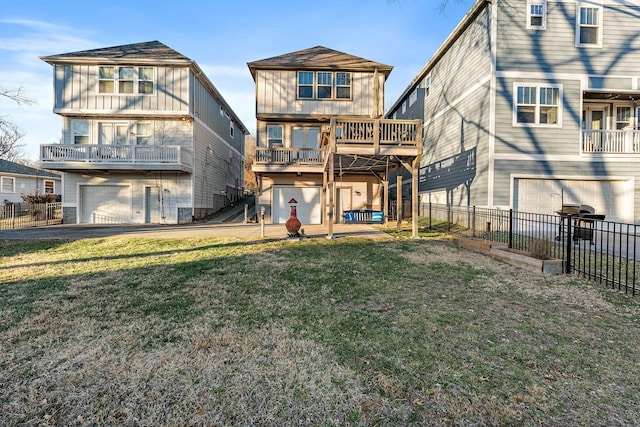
146 137
533 104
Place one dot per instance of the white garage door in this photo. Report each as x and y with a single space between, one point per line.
308 207
611 198
107 204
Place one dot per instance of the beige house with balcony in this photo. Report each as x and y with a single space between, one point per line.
321 138
146 137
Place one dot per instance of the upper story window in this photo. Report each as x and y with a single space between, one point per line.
126 80
404 107
324 85
274 135
537 14
231 129
144 133
589 26
537 105
623 117
49 187
427 85
7 184
413 97
80 132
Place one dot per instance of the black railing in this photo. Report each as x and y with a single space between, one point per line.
23 215
603 251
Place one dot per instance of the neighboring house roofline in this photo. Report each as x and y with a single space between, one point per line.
11 168
145 53
318 58
478 6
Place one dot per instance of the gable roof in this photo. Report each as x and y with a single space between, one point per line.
318 58
13 168
146 52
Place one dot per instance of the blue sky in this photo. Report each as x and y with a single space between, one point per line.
221 36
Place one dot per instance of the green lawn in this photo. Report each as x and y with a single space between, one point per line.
314 332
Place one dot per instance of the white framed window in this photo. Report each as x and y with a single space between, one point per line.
305 84
7 184
427 85
324 85
126 80
537 14
144 133
80 132
589 25
343 85
623 117
537 105
274 135
404 107
49 187
413 97
231 129
113 133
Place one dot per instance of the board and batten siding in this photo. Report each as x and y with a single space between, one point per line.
554 50
173 188
76 87
276 93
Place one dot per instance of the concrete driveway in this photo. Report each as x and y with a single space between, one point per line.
232 230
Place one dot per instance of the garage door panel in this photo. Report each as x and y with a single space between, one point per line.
613 198
308 208
105 204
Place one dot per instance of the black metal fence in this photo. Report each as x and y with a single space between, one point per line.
24 215
603 251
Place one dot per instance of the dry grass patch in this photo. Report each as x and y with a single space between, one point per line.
318 332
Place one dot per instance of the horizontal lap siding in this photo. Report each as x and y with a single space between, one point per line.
71 83
276 92
554 50
457 109
538 139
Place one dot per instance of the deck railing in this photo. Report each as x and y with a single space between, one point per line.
388 132
94 153
290 156
611 141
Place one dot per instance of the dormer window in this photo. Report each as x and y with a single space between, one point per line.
324 85
126 80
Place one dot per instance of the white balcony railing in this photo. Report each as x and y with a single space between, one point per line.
116 154
611 141
290 156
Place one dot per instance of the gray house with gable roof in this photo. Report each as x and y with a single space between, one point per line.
146 137
17 179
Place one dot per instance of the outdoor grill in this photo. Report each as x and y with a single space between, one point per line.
584 217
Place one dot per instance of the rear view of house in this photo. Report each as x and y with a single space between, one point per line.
146 137
531 105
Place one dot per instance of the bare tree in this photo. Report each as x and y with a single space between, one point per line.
10 135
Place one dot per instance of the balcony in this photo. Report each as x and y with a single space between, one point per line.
116 157
371 137
626 141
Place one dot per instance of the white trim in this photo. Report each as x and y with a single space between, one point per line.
599 26
537 105
13 184
88 114
589 158
461 98
492 106
543 26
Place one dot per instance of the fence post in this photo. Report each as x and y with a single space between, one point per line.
567 261
510 228
430 223
13 216
473 221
